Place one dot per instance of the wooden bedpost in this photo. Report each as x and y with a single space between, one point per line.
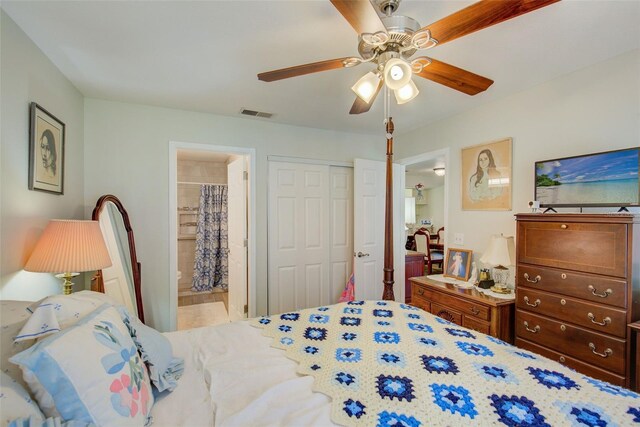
387 279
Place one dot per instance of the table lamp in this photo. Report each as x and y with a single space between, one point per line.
69 247
500 254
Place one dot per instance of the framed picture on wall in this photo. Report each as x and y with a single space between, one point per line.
486 176
458 264
46 151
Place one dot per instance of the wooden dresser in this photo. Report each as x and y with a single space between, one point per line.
413 266
464 307
575 291
634 338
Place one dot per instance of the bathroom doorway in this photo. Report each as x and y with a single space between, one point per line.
210 240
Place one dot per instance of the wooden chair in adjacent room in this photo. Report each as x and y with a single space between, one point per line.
431 258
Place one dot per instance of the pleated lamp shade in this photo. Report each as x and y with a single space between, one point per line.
69 246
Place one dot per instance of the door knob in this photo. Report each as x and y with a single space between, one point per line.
361 255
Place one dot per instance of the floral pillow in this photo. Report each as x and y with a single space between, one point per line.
90 372
156 351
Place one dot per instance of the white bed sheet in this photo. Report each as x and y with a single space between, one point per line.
233 377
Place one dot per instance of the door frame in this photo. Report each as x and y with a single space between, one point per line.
429 155
250 154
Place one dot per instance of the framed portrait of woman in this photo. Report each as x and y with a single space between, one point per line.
458 264
486 176
46 151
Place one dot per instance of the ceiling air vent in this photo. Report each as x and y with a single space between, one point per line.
255 113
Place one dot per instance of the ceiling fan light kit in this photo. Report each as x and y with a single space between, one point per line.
389 41
397 73
368 86
406 93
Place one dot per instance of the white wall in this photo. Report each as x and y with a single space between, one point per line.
434 208
27 75
126 153
594 109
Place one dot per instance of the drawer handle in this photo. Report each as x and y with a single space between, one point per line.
420 292
564 226
562 359
608 352
475 311
535 303
604 322
535 280
605 294
534 330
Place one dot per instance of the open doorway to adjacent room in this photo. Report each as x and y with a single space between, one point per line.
211 217
426 207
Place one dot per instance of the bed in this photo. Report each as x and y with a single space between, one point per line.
88 359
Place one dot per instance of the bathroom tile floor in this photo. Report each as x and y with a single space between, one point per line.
191 298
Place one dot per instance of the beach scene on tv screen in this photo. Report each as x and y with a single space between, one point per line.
597 179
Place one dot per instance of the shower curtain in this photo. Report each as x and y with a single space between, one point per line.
211 265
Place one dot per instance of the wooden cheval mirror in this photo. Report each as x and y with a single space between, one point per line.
121 281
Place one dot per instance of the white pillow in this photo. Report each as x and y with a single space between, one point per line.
58 312
13 316
90 372
15 402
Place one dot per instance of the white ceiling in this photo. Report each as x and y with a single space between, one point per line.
204 56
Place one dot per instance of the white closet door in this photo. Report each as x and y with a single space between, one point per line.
298 231
368 236
237 217
341 230
368 242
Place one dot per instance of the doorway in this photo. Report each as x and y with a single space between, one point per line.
426 200
212 252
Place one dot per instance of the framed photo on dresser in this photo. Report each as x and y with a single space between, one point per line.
458 264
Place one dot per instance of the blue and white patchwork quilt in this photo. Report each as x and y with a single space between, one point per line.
389 364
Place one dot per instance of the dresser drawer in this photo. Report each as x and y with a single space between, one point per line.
589 247
572 363
446 313
593 316
469 308
604 290
476 325
421 303
573 341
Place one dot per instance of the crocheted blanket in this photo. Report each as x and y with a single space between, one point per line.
385 363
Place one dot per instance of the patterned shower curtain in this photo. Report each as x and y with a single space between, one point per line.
211 266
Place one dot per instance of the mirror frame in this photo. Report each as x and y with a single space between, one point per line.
98 284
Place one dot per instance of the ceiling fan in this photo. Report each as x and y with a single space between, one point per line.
390 41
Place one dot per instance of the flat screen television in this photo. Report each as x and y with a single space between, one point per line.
591 180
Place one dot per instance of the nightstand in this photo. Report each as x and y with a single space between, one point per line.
465 307
634 337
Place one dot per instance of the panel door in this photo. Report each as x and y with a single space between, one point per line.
341 224
237 219
369 200
298 228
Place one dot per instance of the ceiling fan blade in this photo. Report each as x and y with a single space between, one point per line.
481 15
455 78
361 15
359 106
300 70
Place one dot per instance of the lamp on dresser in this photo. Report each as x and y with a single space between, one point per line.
500 254
69 247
